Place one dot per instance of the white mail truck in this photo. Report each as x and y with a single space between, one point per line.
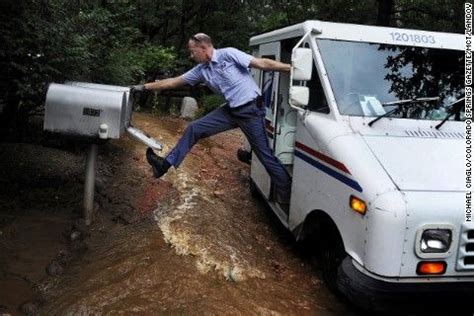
370 126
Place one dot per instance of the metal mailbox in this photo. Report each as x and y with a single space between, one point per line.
128 95
80 111
92 111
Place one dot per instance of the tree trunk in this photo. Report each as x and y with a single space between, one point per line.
384 12
182 23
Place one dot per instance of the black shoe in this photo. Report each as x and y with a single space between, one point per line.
158 164
244 155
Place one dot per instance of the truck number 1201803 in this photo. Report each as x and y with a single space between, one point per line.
414 38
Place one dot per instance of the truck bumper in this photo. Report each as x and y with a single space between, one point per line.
374 294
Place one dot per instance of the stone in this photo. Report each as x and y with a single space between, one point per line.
54 268
81 226
100 185
64 256
29 308
79 246
75 235
189 108
219 193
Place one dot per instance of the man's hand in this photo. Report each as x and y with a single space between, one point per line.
137 88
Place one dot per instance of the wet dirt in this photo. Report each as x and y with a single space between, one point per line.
193 242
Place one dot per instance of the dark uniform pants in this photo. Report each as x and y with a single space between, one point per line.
250 118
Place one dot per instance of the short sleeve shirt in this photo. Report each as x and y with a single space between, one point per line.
227 74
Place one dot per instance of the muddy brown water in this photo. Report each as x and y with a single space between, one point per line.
194 242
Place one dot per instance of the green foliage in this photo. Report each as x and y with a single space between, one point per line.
58 40
209 103
439 15
129 41
137 64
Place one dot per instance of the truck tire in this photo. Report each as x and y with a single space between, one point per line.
331 254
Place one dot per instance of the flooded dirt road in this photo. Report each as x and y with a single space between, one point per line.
193 242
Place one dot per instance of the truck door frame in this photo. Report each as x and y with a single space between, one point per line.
257 171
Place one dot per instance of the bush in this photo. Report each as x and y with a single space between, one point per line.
209 103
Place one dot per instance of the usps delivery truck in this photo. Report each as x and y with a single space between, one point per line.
369 124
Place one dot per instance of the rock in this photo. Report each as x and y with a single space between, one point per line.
80 246
99 185
64 256
75 235
126 217
80 225
78 231
219 193
188 108
29 308
95 210
54 268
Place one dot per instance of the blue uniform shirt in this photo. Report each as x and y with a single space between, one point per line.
227 74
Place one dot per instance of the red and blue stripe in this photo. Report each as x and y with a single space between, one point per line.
326 164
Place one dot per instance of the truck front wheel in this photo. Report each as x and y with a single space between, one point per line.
330 253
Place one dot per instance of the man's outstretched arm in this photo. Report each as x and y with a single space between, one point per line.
269 65
166 84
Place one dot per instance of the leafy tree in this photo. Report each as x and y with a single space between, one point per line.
439 15
58 40
129 41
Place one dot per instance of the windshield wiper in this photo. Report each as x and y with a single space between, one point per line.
454 108
399 105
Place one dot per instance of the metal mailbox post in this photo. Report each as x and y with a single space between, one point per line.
91 111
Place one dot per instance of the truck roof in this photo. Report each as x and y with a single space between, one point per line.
364 33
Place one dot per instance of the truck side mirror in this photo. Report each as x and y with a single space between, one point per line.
301 70
302 63
299 96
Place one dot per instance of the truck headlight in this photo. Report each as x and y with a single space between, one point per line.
436 240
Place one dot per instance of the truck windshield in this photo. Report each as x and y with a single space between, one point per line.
366 78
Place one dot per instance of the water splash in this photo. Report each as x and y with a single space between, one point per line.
178 232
